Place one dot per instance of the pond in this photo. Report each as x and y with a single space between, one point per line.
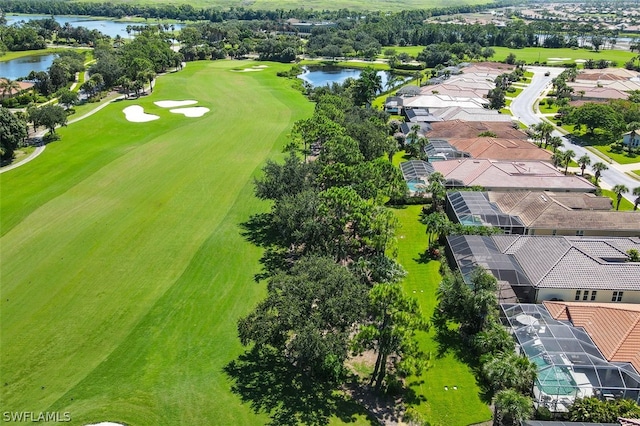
326 75
105 26
21 67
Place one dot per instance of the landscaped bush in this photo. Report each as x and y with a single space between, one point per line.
409 67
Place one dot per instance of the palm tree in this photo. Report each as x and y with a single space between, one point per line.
418 76
437 224
8 86
510 371
584 161
598 168
543 132
437 189
619 189
567 156
636 192
555 142
511 408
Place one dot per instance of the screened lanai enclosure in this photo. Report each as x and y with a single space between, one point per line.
416 174
569 364
473 208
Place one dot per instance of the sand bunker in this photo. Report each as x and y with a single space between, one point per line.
191 112
249 70
136 114
580 61
558 59
174 104
260 66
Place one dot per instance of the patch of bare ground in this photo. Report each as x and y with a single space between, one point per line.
385 409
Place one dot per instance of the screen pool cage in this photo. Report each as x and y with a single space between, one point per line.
569 364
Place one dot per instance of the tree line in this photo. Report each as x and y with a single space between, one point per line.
333 284
187 12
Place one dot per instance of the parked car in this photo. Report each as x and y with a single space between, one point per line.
547 74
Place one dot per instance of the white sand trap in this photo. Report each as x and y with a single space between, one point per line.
191 112
558 59
174 104
136 114
260 66
580 61
249 70
105 424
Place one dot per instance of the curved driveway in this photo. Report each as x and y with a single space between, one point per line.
522 108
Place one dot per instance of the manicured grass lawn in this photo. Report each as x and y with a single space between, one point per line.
546 109
624 203
541 54
622 158
514 94
636 172
439 407
8 56
411 50
604 150
123 268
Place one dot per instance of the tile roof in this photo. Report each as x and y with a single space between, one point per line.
549 210
501 149
23 85
472 114
607 74
614 327
589 273
508 175
593 263
443 101
471 129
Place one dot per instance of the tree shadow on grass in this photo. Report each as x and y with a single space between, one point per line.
258 230
271 385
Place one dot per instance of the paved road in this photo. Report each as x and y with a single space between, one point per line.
522 108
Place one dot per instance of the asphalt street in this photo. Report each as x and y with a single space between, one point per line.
522 108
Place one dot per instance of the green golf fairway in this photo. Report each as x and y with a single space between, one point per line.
123 268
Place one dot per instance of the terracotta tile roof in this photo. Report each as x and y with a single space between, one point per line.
503 175
613 327
501 149
471 129
24 85
607 74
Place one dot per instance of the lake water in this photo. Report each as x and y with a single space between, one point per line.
21 67
105 26
322 76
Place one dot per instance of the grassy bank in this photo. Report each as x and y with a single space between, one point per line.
438 406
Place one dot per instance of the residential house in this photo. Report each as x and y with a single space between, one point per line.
468 129
631 139
570 363
501 175
585 269
543 213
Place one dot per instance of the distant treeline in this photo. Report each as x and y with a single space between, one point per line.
187 12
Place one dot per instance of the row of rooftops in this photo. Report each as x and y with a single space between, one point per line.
525 193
